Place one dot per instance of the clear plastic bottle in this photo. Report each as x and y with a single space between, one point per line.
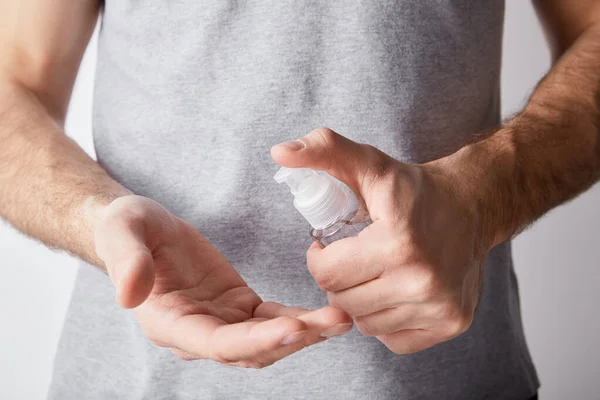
331 208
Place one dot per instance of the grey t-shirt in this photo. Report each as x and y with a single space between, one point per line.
190 95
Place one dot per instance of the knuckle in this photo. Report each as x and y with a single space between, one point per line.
394 253
324 277
446 310
425 284
327 140
457 325
326 281
325 135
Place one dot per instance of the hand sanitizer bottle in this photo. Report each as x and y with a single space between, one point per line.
331 208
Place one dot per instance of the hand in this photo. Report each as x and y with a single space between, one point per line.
413 277
190 299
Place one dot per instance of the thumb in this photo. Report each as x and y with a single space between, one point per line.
322 149
120 243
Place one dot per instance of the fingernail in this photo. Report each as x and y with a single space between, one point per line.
336 330
293 338
293 145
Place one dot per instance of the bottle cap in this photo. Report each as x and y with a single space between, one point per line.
319 197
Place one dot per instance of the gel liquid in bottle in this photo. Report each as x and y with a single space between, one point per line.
331 209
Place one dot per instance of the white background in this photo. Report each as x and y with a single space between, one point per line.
556 261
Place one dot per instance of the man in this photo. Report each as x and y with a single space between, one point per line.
189 98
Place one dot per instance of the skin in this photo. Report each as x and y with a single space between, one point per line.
185 294
416 272
413 278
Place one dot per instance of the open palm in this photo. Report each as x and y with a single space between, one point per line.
189 298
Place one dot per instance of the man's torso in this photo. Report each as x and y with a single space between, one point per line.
190 96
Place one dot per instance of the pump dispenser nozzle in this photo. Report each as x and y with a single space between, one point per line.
294 177
318 197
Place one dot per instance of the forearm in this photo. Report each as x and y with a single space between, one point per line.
546 155
49 188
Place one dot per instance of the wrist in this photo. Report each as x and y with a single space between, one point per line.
87 216
485 177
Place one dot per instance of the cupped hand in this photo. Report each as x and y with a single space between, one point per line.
187 297
413 277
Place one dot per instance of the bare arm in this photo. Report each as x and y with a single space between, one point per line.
417 271
564 21
51 190
49 187
550 152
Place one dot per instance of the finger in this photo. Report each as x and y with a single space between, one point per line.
410 341
271 310
345 263
326 322
211 338
317 320
353 163
322 324
370 297
120 243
